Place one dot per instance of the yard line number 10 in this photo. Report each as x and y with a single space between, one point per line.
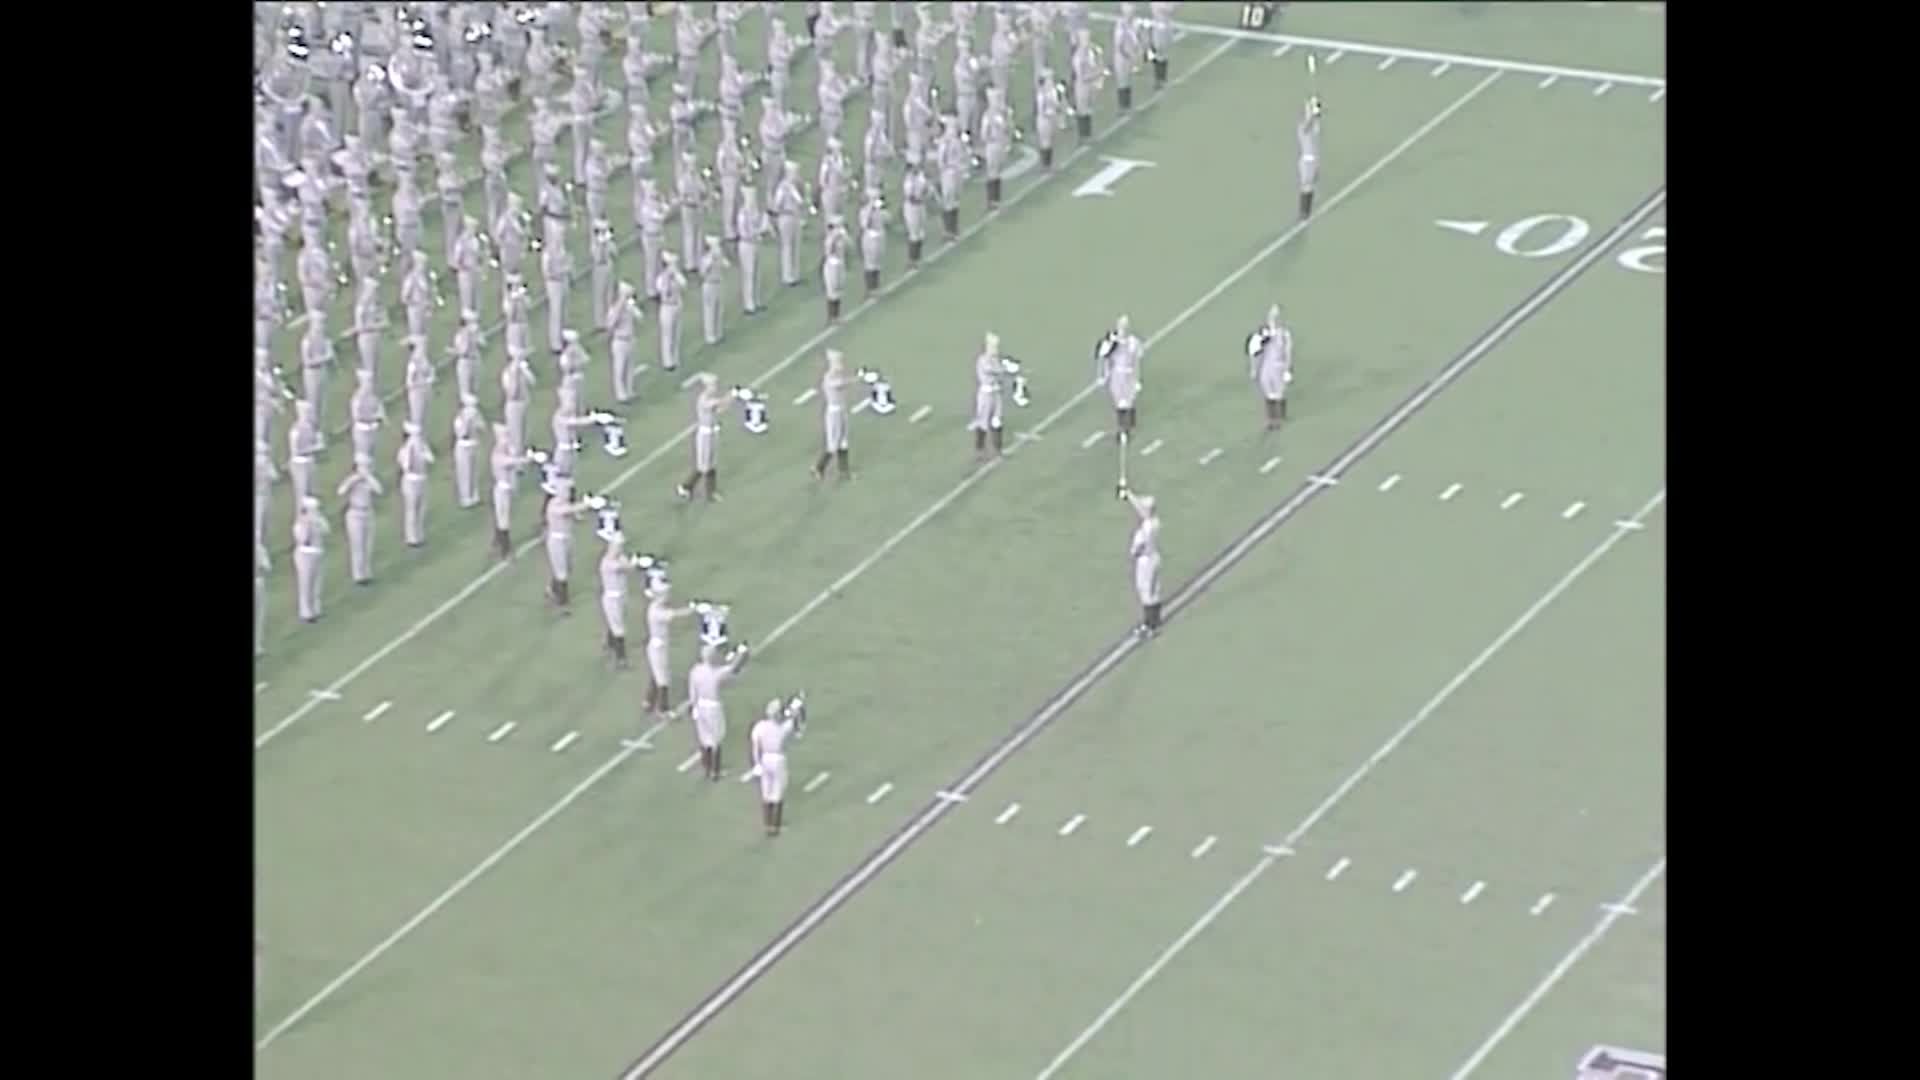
1543 236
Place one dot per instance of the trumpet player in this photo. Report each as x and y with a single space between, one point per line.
954 157
670 288
359 489
601 252
468 423
873 238
505 461
518 315
916 114
370 322
966 86
653 235
1047 107
780 50
316 360
599 173
834 417
1117 364
833 178
573 362
303 444
416 294
468 340
750 227
729 165
420 377
915 191
466 259
767 740
516 392
1161 36
691 191
833 265
1002 48
493 170
732 91
996 142
566 422
661 615
619 320
704 683
876 156
776 125
545 126
510 236
707 403
556 268
363 245
713 284
1144 549
452 189
833 93
989 378
680 117
642 135
582 96
414 458
310 531
1127 50
407 224
1086 68
690 33
789 209
367 412
880 87
861 25
315 271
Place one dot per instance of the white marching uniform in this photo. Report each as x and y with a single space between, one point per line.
1146 560
1274 366
1308 134
833 420
1122 371
659 626
613 590
987 403
703 691
706 430
769 738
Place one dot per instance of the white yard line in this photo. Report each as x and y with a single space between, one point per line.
1512 500
259 686
1452 490
1400 884
1200 850
1346 787
1612 915
1549 81
1389 482
503 731
919 414
1338 868
865 404
1271 464
1361 48
806 349
1073 824
813 785
1473 890
440 721
805 396
1139 834
376 712
1211 456
1541 904
1088 442
1007 814
855 881
560 744
692 760
1573 510
1149 449
879 793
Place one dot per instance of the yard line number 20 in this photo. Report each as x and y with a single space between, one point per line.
1543 236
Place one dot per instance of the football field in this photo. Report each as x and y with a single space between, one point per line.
1384 800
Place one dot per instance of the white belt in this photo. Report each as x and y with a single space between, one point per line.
707 429
300 459
611 595
366 425
466 442
308 549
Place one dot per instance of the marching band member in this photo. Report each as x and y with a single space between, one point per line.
602 251
1086 68
465 257
366 411
692 195
707 403
660 618
414 458
1127 49
1161 12
420 379
468 423
516 386
1117 363
505 461
615 565
833 93
833 266
560 512
303 442
768 742
729 165
789 207
316 359
1308 135
954 159
359 489
620 319
1270 348
653 213
468 340
264 477
988 373
873 238
750 228
834 417
1145 552
310 531
996 138
704 683
833 179
670 287
915 191
713 284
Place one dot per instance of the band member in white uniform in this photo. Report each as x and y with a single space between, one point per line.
614 566
707 403
1145 552
1119 367
1272 363
1308 134
768 743
834 417
988 375
703 695
661 615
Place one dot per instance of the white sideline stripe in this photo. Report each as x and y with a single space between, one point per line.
1452 490
806 349
1405 880
1338 868
1512 500
1580 949
1362 48
1541 904
1326 806
853 882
